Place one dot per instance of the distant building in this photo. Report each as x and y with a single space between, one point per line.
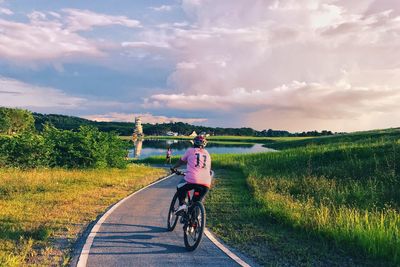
172 133
193 134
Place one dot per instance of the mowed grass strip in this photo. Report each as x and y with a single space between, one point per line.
43 211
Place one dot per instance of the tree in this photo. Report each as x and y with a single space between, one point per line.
13 121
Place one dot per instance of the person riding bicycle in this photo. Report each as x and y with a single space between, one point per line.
198 171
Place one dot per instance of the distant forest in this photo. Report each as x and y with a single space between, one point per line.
126 128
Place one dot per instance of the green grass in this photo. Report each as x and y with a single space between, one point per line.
244 223
43 211
343 191
342 139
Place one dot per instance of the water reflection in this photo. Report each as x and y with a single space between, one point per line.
147 148
137 149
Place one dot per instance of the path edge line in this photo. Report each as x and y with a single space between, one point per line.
224 249
84 255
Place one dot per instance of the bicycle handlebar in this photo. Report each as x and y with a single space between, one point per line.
177 172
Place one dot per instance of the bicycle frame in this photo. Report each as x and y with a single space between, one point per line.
193 218
196 197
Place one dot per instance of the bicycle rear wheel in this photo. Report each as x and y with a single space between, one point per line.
193 230
172 218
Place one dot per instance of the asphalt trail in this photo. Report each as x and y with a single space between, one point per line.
135 235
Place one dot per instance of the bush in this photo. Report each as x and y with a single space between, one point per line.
14 121
87 148
26 150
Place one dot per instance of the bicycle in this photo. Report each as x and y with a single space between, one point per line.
193 218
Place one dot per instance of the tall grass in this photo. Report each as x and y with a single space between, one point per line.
42 211
346 189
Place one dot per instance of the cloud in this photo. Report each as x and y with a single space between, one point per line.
146 118
52 35
344 53
243 65
6 11
162 8
83 20
42 40
141 44
14 93
313 100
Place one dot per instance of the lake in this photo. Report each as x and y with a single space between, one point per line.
148 147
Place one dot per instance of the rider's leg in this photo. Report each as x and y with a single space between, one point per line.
204 192
182 189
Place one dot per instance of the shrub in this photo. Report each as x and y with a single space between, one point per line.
25 150
87 148
14 121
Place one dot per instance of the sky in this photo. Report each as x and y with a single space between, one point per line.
283 64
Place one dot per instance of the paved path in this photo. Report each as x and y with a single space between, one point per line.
135 235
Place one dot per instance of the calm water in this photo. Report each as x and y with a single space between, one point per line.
147 148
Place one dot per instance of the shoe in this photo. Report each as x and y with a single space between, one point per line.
180 209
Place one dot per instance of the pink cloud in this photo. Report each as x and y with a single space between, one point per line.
297 101
345 52
146 118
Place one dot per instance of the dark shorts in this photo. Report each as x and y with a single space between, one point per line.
183 187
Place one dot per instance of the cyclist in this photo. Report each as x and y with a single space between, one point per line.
198 171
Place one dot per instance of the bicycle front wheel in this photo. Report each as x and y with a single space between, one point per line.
172 218
194 228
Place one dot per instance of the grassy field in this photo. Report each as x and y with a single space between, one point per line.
338 193
43 211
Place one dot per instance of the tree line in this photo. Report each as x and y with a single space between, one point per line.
126 128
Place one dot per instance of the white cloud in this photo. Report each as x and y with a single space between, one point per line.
42 40
141 44
79 20
162 8
14 93
52 35
6 11
146 118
